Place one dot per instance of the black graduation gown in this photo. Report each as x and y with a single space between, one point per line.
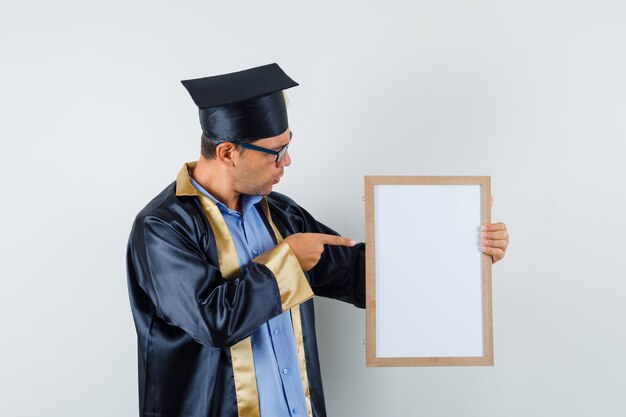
187 316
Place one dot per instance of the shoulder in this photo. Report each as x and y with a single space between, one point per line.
179 213
164 206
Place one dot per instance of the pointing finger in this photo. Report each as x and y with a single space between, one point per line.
336 240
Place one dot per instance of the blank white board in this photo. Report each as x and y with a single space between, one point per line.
429 293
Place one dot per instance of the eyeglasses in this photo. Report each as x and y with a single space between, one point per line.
280 153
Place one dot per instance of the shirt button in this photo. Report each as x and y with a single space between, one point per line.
275 331
294 411
254 252
285 371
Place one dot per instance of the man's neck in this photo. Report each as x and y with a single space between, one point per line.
212 178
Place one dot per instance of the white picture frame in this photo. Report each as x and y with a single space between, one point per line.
428 290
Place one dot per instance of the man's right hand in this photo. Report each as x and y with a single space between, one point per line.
309 247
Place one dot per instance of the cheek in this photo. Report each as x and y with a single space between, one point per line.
264 170
259 172
268 175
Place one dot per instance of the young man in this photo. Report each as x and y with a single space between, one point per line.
222 270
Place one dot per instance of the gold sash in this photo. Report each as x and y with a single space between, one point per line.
293 286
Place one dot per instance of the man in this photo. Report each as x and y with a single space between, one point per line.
222 270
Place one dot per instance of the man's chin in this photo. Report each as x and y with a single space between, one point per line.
264 191
260 190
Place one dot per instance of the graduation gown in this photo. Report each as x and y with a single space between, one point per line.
194 311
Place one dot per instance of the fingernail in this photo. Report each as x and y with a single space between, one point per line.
484 242
483 234
484 248
352 243
484 227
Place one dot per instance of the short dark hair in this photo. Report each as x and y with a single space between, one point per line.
208 147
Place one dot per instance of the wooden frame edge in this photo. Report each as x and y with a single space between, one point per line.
370 276
371 360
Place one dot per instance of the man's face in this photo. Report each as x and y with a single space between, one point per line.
257 172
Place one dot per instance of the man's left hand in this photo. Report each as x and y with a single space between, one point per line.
494 240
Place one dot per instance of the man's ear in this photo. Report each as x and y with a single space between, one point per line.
225 153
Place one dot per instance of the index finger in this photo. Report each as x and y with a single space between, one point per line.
336 240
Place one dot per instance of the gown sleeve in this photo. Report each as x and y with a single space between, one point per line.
189 292
340 272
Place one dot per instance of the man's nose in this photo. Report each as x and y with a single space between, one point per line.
286 161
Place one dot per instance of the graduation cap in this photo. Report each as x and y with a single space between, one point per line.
242 106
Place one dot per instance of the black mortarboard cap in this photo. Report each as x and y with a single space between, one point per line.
242 106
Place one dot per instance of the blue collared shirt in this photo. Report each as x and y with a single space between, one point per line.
278 379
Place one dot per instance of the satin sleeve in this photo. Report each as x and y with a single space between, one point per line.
189 292
340 272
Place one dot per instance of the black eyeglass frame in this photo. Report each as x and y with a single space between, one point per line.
280 153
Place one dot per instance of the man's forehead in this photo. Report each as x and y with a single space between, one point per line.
275 141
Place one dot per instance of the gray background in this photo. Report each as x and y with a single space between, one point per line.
94 123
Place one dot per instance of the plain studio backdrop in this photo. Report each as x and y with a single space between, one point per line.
94 123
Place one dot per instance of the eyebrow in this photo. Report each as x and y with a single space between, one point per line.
275 148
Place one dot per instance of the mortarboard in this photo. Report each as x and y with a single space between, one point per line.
242 106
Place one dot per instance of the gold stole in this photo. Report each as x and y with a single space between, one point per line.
241 352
